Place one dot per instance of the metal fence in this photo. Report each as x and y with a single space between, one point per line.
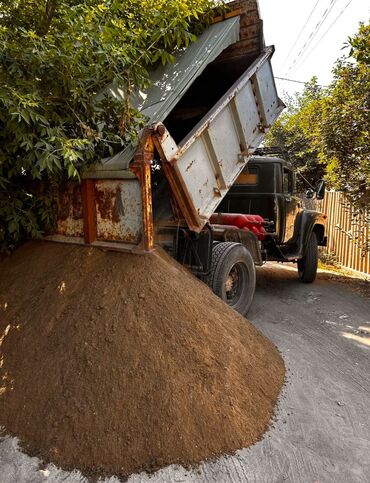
348 232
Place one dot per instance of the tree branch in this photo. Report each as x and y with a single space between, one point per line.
50 10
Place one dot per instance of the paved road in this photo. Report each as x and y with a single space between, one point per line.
322 428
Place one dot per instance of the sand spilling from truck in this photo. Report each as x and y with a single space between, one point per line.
114 363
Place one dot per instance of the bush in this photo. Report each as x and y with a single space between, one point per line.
56 56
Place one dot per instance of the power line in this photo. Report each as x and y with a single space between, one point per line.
300 33
302 59
312 35
289 80
297 81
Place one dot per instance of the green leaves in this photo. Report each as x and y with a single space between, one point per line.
326 132
345 146
55 57
295 132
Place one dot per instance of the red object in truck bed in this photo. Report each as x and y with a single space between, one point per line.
253 223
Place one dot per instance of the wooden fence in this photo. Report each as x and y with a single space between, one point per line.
348 233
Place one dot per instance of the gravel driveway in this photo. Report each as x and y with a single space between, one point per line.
322 428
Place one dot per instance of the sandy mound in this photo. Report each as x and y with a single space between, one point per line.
117 363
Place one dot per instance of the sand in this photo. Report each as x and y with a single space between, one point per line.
114 363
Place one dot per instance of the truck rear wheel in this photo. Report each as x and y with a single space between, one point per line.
307 266
233 275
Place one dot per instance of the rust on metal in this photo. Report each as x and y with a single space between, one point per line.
118 210
141 168
226 15
100 211
190 165
69 210
89 211
182 197
108 203
69 202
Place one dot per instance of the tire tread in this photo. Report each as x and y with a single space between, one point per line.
310 260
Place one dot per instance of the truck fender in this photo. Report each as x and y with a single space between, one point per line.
246 238
310 221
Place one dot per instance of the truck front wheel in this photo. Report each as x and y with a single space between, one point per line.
307 266
233 275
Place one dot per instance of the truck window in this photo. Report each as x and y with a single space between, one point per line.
287 181
248 176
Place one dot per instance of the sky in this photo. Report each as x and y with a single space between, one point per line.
288 25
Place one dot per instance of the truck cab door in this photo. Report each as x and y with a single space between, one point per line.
293 204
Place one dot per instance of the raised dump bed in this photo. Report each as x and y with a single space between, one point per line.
207 113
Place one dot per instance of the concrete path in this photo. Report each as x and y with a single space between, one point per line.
322 428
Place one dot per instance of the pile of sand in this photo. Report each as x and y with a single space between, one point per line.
116 363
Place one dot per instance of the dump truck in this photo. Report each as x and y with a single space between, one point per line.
207 113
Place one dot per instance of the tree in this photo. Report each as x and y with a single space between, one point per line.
294 130
55 57
326 131
344 141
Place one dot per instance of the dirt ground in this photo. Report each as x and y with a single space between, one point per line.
322 429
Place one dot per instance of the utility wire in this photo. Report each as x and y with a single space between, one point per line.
296 81
299 35
303 59
312 35
289 80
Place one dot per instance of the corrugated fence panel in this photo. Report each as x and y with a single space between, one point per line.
348 232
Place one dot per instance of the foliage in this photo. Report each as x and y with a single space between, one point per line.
293 132
344 143
326 131
55 57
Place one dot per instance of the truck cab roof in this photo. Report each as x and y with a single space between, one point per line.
269 160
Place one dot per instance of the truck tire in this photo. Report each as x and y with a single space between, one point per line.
307 266
233 275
